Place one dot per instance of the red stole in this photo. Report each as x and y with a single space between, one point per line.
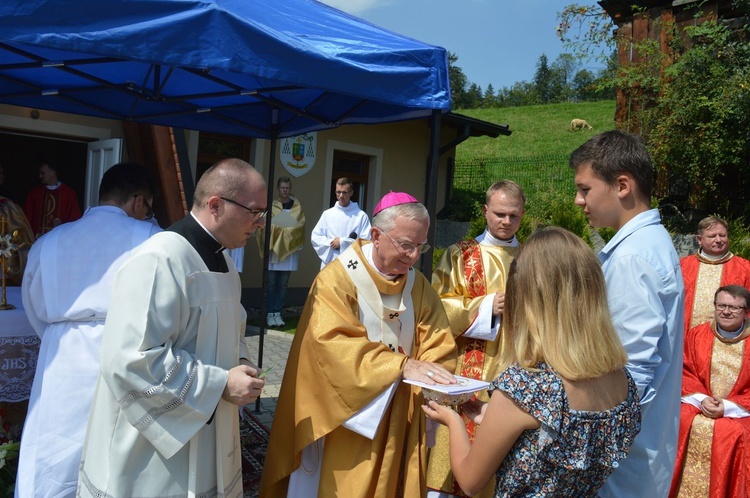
473 350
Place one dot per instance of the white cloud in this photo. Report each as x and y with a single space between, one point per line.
355 6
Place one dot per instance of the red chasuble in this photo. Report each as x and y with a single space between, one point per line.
727 446
735 271
46 209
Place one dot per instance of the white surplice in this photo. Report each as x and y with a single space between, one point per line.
66 294
338 222
158 425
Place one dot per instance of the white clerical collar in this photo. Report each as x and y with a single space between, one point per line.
206 229
730 335
489 240
367 250
349 206
712 258
53 187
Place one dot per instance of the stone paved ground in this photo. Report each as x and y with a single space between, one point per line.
276 346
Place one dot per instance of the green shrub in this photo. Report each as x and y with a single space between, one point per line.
478 223
739 237
555 208
437 253
462 205
550 207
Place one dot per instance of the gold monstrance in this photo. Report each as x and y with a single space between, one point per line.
8 245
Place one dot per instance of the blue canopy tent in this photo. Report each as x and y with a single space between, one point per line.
260 68
257 68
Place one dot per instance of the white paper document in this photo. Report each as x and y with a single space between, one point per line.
463 385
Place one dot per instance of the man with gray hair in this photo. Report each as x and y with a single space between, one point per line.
711 267
174 363
346 424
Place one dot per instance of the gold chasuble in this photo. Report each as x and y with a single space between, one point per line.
286 237
467 272
16 220
334 370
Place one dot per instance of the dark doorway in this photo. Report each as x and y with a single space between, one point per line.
355 167
213 148
24 153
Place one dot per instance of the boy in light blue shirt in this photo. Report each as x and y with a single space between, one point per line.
614 178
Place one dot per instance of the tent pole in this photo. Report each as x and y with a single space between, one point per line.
267 244
431 188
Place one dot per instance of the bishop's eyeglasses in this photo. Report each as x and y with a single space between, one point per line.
407 247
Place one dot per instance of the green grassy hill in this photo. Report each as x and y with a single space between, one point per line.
535 155
537 130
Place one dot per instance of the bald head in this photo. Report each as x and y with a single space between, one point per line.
229 200
227 178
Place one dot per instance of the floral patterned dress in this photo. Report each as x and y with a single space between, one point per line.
573 452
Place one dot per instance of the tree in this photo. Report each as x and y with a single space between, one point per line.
489 97
605 86
458 82
521 93
543 80
563 72
584 85
474 96
566 65
586 30
700 125
692 103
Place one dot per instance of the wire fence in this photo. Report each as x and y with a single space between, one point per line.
535 174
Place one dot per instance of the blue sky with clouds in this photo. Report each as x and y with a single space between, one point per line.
496 41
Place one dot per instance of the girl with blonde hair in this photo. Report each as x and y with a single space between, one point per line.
564 411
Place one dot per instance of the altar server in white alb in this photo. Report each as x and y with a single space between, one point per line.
175 366
66 294
340 225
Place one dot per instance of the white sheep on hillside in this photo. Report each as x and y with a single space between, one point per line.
579 124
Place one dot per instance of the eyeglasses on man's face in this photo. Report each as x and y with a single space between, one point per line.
149 210
343 192
407 247
728 307
257 213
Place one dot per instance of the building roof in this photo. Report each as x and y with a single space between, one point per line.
471 127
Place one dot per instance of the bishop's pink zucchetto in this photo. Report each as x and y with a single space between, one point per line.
393 199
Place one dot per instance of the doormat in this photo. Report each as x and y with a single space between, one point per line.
254 437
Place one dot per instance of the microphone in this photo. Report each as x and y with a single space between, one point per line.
353 235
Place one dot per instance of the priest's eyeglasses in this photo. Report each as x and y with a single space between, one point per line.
407 247
728 307
257 213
